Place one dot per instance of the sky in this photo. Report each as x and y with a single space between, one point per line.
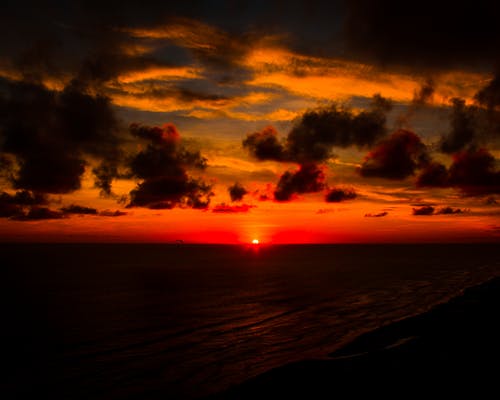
228 121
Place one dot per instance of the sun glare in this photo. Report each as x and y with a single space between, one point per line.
255 241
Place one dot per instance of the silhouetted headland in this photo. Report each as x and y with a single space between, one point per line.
450 350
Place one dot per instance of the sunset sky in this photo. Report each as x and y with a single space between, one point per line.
228 121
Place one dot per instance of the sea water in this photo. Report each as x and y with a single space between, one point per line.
116 321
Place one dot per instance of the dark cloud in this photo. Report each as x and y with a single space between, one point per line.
396 157
237 192
8 207
425 93
421 97
377 215
166 192
51 134
8 210
15 205
162 167
464 127
318 131
491 201
226 208
264 145
425 210
489 118
76 209
474 172
110 213
180 93
104 174
24 198
449 210
224 30
473 125
489 95
423 204
337 195
39 213
81 40
221 53
166 135
432 35
6 166
433 174
219 35
308 178
430 210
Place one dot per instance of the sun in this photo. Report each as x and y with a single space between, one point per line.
255 241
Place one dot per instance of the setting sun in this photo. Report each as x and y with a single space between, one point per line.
255 241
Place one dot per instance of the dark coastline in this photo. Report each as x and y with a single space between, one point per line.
452 349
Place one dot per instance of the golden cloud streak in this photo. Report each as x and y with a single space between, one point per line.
188 33
160 73
337 79
136 97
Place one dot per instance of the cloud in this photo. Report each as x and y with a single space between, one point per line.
377 215
425 93
489 95
421 97
312 139
51 133
104 174
396 157
463 132
207 42
474 172
430 210
15 205
110 213
308 178
490 201
425 210
433 174
24 198
163 170
318 131
237 192
76 209
9 208
336 195
39 213
449 210
473 125
264 145
225 208
431 36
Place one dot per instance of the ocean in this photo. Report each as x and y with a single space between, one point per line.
147 321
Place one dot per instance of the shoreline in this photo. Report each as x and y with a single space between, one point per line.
452 347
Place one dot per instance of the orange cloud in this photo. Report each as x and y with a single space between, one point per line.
159 73
338 79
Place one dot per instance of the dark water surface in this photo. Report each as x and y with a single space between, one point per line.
116 321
